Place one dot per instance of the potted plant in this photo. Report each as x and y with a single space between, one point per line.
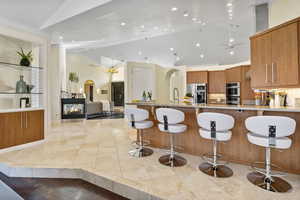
73 78
26 59
144 96
150 95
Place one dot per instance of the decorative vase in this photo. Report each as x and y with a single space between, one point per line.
25 62
21 86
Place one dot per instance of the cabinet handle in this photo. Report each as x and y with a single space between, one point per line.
266 73
272 72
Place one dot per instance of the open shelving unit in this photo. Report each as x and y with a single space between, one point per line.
33 75
19 67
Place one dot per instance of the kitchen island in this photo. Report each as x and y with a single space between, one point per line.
238 149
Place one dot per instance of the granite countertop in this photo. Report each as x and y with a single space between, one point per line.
10 110
219 106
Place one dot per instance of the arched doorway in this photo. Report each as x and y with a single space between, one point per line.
89 90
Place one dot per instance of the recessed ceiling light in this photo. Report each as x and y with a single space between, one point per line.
203 24
61 37
231 53
140 53
174 9
142 26
185 14
197 44
201 55
177 58
171 49
230 10
123 24
194 19
229 5
231 40
230 14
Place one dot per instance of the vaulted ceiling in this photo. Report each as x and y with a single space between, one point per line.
166 32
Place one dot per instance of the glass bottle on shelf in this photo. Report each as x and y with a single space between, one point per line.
21 86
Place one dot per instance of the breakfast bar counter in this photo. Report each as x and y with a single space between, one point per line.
238 149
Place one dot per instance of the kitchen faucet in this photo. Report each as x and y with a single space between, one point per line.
176 95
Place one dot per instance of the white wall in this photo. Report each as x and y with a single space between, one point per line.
281 11
145 76
87 70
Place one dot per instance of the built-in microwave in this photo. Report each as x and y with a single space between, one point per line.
233 93
233 89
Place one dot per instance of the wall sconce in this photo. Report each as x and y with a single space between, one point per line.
98 91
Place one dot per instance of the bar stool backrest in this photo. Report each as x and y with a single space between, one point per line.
136 114
172 116
265 125
222 122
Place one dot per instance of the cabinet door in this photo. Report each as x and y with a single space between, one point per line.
33 126
261 61
285 61
234 75
196 77
216 82
10 129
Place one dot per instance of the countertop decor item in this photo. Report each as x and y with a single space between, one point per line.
26 59
150 95
144 96
21 86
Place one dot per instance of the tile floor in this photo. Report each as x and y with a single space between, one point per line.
101 147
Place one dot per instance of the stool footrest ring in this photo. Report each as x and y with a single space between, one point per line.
255 167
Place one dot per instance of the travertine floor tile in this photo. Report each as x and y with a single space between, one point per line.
101 148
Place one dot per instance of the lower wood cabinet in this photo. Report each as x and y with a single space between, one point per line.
21 127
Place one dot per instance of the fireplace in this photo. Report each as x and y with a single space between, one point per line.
72 108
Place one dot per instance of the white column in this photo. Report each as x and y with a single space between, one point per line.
57 78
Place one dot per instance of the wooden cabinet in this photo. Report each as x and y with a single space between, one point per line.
33 128
217 82
241 75
196 77
233 75
21 127
275 57
285 60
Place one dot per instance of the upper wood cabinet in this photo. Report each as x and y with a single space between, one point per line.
275 57
217 82
21 127
197 77
233 75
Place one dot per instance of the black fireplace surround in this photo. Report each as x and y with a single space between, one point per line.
73 108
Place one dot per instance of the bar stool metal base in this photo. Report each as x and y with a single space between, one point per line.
177 161
220 171
141 152
277 185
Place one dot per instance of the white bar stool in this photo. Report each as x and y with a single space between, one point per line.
170 120
138 120
269 132
215 127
